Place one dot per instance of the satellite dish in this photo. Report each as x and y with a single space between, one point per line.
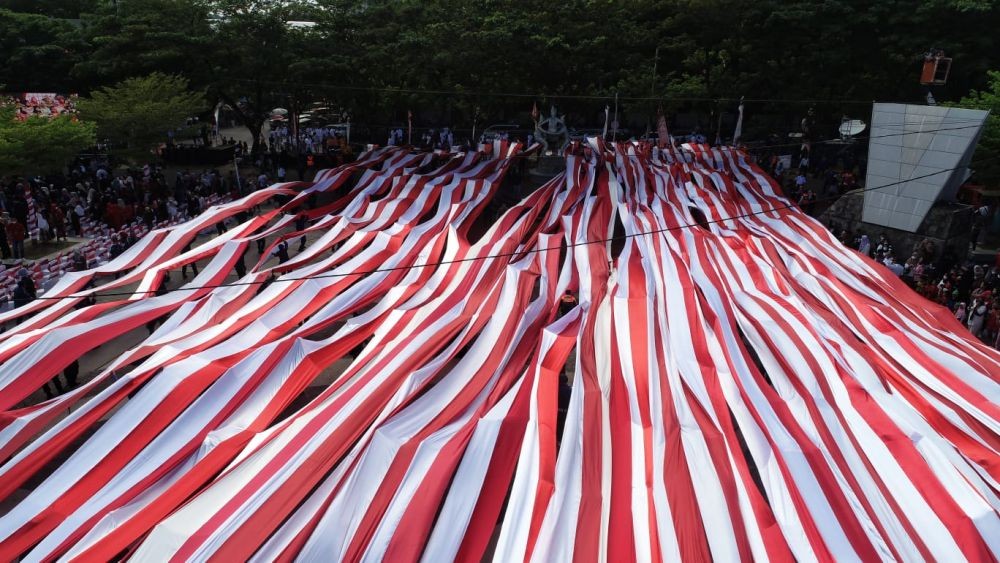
851 127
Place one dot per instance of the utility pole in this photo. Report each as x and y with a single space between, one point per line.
652 83
614 124
475 120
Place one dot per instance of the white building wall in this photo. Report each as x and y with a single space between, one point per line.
908 142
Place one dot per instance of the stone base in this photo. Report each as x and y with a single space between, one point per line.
548 166
947 224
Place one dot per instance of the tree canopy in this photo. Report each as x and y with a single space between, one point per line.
989 143
40 145
136 113
452 61
38 53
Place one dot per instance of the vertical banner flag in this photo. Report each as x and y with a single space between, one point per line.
607 112
718 128
215 115
475 121
661 129
738 134
409 127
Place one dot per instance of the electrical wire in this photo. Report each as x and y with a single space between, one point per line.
523 251
539 95
838 140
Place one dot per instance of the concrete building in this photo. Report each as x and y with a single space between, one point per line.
928 149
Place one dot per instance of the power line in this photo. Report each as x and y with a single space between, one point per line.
539 95
526 251
838 140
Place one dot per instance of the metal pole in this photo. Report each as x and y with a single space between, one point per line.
652 84
236 166
614 131
475 118
295 124
718 129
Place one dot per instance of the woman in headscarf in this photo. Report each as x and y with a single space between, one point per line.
977 317
865 246
960 313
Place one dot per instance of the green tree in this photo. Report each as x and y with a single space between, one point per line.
262 62
988 171
38 52
51 8
138 37
40 145
449 60
136 114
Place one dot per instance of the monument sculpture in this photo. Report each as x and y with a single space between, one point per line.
552 133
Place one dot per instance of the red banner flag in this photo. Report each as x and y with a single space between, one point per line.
409 126
661 130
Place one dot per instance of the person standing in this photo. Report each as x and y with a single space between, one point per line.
117 248
864 245
977 317
281 251
4 243
25 291
241 266
78 261
194 265
161 289
301 222
15 234
71 373
58 222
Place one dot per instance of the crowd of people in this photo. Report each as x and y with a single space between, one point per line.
969 290
97 201
48 208
42 105
808 183
311 140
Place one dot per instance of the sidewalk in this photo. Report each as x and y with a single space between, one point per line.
31 249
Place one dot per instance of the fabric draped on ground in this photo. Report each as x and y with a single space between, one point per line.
742 386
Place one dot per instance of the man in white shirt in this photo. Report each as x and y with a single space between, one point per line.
800 181
896 267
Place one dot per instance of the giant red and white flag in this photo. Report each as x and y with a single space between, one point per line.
651 357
